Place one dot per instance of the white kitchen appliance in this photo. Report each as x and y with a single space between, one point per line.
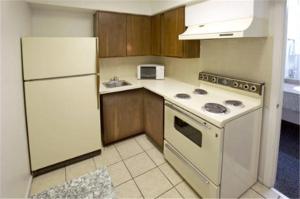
61 81
150 71
212 135
214 19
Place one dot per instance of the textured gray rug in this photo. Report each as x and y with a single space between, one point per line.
96 184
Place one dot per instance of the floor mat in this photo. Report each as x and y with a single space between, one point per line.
287 179
96 184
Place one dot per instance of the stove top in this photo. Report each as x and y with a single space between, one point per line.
236 103
215 108
182 96
200 91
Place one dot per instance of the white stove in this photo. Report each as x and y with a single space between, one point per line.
212 135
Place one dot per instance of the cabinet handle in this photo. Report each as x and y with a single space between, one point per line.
202 177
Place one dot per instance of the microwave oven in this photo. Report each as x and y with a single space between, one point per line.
150 71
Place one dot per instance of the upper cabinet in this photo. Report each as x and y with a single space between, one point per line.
138 35
172 26
110 28
156 35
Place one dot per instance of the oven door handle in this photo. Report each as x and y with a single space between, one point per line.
202 177
204 124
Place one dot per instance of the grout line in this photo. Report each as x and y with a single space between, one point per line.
257 192
131 175
164 192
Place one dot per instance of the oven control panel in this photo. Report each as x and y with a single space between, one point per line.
244 85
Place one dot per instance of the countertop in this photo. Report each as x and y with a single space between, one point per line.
168 88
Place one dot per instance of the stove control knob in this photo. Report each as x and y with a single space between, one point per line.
200 76
206 77
246 86
253 88
235 84
214 79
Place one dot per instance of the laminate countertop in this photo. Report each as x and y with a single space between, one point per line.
168 88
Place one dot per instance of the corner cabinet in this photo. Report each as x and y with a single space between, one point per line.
156 35
172 25
110 28
128 113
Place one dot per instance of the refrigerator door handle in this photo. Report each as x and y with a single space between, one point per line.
97 73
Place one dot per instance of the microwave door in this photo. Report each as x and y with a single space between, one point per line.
148 72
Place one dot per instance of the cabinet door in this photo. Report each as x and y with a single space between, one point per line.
156 35
138 35
111 30
172 27
122 115
154 117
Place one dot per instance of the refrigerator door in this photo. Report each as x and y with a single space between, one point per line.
63 119
58 57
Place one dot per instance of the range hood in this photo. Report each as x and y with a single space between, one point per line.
213 19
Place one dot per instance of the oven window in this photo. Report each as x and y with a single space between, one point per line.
148 72
188 131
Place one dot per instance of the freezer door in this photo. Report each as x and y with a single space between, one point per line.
63 119
58 57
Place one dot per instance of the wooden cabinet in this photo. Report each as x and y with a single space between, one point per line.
154 117
110 28
172 27
138 35
156 35
122 115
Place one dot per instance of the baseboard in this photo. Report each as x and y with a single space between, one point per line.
27 194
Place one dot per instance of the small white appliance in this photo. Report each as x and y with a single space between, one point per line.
150 71
212 138
61 84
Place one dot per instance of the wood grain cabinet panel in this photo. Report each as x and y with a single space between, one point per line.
156 35
122 115
172 27
138 35
110 28
154 117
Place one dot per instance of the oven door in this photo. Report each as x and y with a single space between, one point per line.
198 141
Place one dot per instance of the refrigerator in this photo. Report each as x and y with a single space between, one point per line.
61 82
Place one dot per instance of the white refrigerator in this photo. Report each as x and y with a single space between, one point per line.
61 98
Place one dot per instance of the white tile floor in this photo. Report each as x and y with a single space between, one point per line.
138 170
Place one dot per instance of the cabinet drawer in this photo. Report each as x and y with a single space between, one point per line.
200 183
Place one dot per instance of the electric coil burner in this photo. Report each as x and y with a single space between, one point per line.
183 96
200 91
234 103
215 108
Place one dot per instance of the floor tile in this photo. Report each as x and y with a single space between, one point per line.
128 148
156 156
79 169
139 164
118 173
153 183
144 142
109 156
128 190
186 191
173 193
265 191
171 174
251 194
45 181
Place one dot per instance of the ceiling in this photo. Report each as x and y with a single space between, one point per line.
146 7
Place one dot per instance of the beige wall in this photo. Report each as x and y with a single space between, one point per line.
61 22
122 66
15 173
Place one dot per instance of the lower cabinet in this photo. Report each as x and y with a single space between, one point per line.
131 112
122 115
154 117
